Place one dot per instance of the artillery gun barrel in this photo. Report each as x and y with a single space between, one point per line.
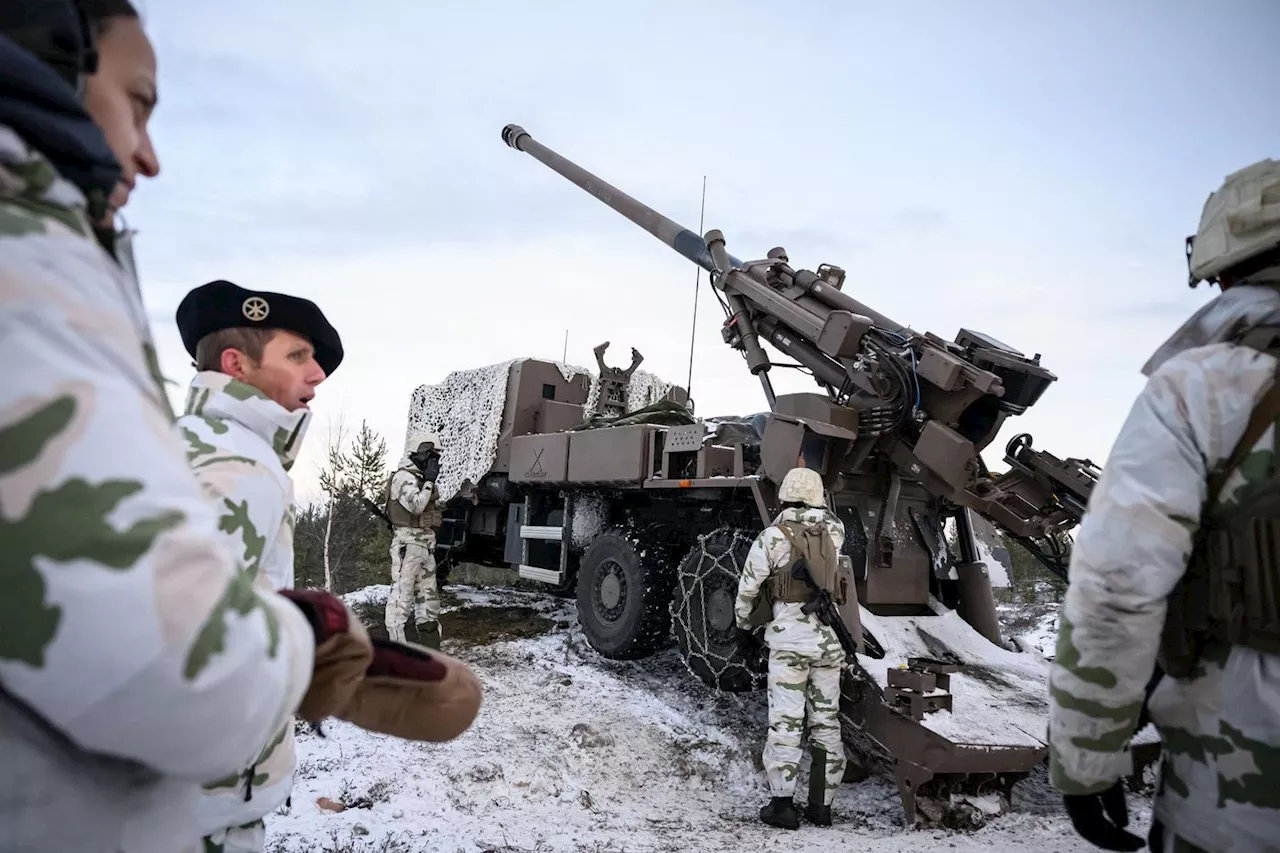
690 245
670 232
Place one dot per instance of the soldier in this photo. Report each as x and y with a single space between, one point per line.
805 656
412 510
125 680
137 659
1176 563
259 357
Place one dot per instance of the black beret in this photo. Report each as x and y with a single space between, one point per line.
222 305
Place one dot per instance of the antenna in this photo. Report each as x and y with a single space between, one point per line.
697 281
564 359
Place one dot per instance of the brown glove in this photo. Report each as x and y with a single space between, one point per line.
343 653
382 686
415 693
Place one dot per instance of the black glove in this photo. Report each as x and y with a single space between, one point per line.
1089 814
431 470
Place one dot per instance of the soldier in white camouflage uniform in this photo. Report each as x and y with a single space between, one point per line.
135 661
259 357
1176 563
414 515
138 659
805 657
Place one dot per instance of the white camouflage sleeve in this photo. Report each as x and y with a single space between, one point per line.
126 625
1131 551
405 488
761 558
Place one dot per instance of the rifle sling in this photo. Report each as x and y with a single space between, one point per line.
1266 413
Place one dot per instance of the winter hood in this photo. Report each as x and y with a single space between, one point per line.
43 110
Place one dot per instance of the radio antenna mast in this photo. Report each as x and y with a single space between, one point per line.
697 281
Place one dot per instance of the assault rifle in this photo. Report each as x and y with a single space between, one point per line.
824 607
373 508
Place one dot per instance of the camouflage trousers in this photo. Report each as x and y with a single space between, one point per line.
249 838
413 581
801 686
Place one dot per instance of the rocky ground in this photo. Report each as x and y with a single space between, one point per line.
572 752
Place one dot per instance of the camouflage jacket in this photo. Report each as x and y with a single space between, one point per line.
241 445
136 661
1221 727
414 494
791 630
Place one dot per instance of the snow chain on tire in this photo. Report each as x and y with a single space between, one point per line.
715 562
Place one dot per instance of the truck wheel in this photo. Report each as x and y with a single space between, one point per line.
703 622
623 590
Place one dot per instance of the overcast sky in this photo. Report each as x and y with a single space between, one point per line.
1029 170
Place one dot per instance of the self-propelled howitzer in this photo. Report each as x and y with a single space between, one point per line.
897 401
934 691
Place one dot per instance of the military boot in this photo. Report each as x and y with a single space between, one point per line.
781 812
429 634
818 815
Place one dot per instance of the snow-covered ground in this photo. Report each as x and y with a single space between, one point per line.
572 752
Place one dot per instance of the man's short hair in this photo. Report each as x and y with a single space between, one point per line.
250 340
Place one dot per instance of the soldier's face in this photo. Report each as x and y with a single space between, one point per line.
121 97
288 372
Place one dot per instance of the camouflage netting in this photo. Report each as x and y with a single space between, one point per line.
465 410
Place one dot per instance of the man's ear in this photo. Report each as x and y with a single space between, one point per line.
233 362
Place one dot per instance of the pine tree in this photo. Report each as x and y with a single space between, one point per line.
355 541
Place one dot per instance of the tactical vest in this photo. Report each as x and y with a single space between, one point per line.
1230 592
429 519
812 541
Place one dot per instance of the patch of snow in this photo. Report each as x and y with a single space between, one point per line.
575 753
997 571
987 803
1044 638
470 596
376 594
999 696
590 517
992 551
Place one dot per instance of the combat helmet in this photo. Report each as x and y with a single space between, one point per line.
417 437
802 486
1239 232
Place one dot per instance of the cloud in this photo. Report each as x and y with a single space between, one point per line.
1028 175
